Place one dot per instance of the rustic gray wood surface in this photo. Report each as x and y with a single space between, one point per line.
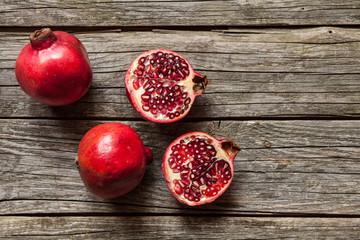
284 86
178 227
178 13
310 167
258 73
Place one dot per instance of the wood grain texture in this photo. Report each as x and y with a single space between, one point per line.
167 227
311 167
294 179
178 13
254 73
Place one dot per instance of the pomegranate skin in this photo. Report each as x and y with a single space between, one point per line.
54 68
111 160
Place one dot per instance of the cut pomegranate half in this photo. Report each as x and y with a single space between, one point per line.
161 85
199 168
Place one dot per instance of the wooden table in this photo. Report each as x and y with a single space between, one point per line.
284 85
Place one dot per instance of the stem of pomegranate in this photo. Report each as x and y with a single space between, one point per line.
42 38
230 148
200 83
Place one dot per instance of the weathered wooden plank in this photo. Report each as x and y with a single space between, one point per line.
178 13
253 73
239 50
310 167
167 227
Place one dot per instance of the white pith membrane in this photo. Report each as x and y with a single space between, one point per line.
218 168
183 102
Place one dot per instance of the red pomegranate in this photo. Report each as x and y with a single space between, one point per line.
111 159
199 168
161 85
53 68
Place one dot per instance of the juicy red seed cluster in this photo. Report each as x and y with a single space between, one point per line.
163 65
169 101
203 174
158 73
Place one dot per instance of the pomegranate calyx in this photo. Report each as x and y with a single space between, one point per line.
42 38
200 83
230 148
149 155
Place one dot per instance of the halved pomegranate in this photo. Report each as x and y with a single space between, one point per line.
161 85
199 168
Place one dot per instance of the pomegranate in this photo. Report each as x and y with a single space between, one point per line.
111 159
53 68
161 85
199 168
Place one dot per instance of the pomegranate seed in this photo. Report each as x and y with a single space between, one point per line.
178 188
136 84
140 67
145 97
145 108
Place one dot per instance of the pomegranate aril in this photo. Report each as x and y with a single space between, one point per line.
145 97
141 60
202 181
153 81
164 91
136 84
181 74
147 84
178 188
163 111
150 89
146 108
184 175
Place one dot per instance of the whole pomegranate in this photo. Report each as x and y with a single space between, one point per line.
53 68
162 86
111 159
199 168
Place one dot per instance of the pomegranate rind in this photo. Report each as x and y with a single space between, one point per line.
227 156
111 159
56 71
134 94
